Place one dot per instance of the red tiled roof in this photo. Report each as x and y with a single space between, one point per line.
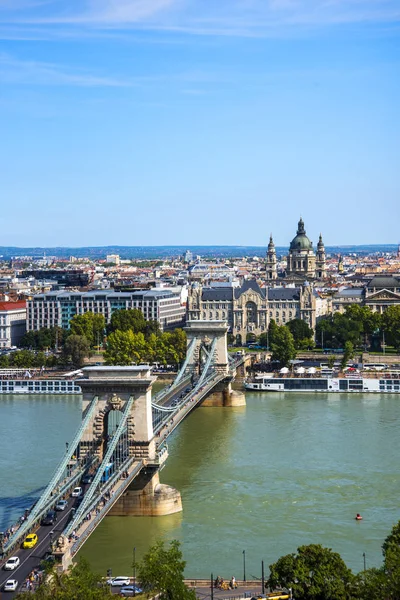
12 305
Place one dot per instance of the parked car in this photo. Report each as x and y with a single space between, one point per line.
61 505
12 563
50 518
77 492
129 591
10 585
30 541
118 581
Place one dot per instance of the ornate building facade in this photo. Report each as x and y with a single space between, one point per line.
248 309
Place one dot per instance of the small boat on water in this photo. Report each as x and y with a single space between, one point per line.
276 383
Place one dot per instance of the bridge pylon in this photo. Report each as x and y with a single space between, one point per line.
114 386
211 337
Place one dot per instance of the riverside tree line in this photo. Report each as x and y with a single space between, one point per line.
131 339
312 572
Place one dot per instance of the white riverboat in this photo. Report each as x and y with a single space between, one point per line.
39 386
276 383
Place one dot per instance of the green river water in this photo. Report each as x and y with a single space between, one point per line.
286 470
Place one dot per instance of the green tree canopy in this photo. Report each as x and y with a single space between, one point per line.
127 320
162 571
76 349
282 346
314 573
391 326
89 325
348 354
127 347
44 338
302 334
80 583
356 325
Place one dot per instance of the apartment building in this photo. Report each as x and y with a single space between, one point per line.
167 306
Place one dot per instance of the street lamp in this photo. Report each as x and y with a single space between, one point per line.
134 571
244 565
365 562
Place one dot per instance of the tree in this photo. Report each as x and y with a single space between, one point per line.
282 347
348 354
161 571
391 564
125 347
76 349
44 338
314 573
302 334
90 326
391 325
78 583
127 320
23 359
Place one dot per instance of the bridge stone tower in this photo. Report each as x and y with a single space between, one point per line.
202 334
205 337
114 386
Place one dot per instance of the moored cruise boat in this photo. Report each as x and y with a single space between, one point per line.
39 386
272 383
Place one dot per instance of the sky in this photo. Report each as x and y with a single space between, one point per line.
168 122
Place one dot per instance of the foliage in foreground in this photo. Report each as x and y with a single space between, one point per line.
317 573
314 573
78 584
161 570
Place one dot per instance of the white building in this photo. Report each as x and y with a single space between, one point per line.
12 323
113 259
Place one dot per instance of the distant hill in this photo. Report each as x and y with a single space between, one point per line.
148 252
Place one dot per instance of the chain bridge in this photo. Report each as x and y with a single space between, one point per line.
121 444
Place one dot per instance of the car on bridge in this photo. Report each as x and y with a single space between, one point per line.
50 518
30 541
77 492
61 505
87 479
10 585
12 563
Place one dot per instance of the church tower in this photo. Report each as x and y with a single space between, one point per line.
301 257
320 262
270 265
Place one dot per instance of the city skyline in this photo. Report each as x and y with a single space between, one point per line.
164 122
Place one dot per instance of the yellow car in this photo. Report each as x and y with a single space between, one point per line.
30 541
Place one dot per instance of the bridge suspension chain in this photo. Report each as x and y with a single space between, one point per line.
96 481
46 500
180 375
207 364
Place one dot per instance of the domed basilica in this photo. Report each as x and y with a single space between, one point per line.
302 262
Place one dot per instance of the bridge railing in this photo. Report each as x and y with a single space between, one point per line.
124 483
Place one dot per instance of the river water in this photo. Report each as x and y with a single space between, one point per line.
286 470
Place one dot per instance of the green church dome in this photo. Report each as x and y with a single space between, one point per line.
301 241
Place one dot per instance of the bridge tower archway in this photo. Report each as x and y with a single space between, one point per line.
203 337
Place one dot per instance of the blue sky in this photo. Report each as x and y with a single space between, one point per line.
155 122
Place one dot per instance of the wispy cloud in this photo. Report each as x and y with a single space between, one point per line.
13 70
199 17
